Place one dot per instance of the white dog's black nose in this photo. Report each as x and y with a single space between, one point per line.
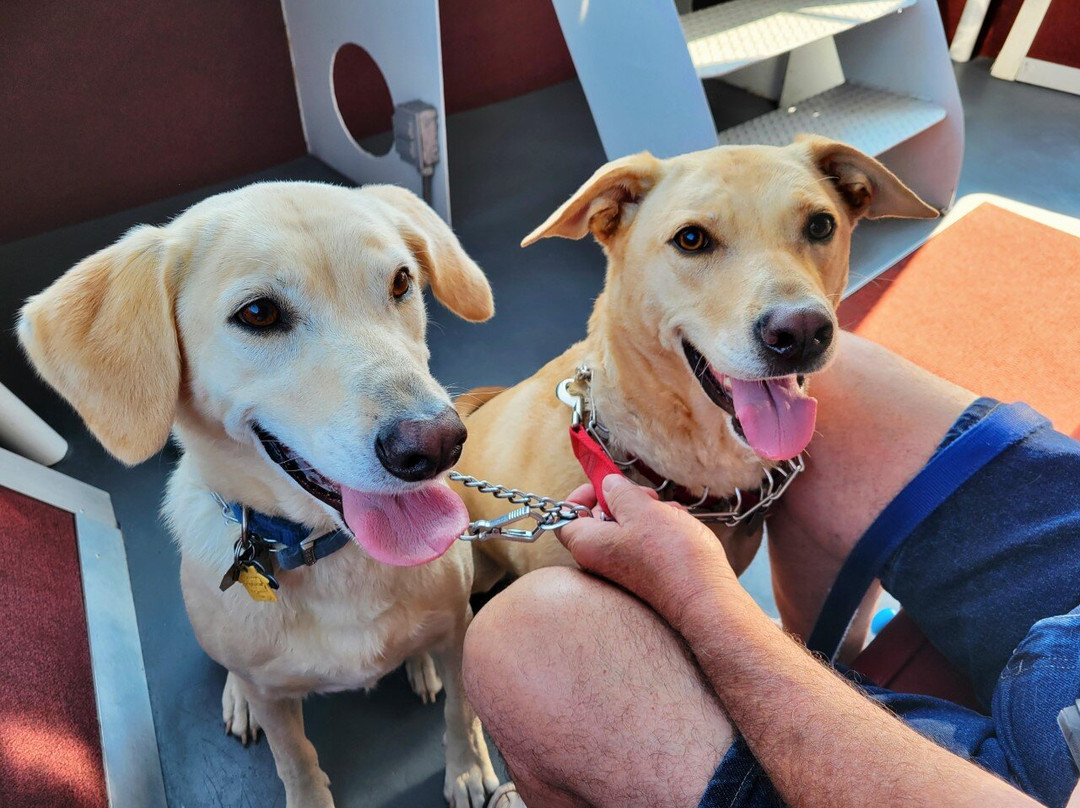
419 449
795 337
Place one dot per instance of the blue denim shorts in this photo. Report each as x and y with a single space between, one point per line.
992 577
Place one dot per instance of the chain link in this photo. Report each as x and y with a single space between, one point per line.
547 513
773 485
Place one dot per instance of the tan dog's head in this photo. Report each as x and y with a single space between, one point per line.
735 259
283 324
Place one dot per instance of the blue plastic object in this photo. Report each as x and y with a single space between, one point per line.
881 619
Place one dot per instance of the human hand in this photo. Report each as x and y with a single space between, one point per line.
655 549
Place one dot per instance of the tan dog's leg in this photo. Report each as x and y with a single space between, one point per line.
470 777
306 785
486 571
423 678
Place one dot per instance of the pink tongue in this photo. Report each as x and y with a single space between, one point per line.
776 416
405 529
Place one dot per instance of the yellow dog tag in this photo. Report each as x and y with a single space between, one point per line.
256 584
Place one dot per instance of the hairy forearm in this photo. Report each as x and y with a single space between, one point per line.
821 741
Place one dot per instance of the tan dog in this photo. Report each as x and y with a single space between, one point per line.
724 271
278 332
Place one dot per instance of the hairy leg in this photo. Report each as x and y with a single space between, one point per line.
879 420
590 696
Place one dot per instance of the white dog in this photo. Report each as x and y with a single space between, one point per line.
278 332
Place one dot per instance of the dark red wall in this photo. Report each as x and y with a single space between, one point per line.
107 104
497 50
1058 39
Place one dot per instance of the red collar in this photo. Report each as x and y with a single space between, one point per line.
594 460
597 464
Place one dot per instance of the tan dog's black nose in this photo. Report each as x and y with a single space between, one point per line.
415 450
795 337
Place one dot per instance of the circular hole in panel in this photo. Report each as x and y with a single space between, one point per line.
363 100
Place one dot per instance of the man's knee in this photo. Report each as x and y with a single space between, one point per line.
586 691
514 631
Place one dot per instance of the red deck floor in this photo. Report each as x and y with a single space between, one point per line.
50 748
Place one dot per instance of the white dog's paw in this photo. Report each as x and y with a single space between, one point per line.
469 786
423 677
236 713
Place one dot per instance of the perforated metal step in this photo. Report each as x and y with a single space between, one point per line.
733 35
869 119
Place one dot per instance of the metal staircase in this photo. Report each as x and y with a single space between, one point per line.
737 34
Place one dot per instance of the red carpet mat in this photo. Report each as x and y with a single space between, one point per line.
991 303
50 749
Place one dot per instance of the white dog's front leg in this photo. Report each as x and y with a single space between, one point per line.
306 785
470 777
236 713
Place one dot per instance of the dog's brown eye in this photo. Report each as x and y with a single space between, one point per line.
820 227
261 313
402 282
692 239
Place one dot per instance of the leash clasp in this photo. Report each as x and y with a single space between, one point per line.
547 513
574 402
545 520
497 528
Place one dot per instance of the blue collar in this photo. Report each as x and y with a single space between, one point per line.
291 543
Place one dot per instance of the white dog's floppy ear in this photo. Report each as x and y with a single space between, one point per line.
866 186
600 204
457 282
104 336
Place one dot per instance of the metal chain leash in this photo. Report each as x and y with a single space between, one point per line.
548 514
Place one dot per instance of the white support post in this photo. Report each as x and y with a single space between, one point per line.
1050 75
967 30
811 69
403 39
23 431
1014 64
1018 43
641 86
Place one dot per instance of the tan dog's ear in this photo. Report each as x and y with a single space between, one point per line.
866 186
601 203
457 282
104 336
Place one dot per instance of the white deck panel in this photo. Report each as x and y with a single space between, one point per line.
733 35
869 119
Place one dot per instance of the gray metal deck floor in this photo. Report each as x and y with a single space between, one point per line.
511 164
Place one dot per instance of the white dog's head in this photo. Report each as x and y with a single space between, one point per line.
285 321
